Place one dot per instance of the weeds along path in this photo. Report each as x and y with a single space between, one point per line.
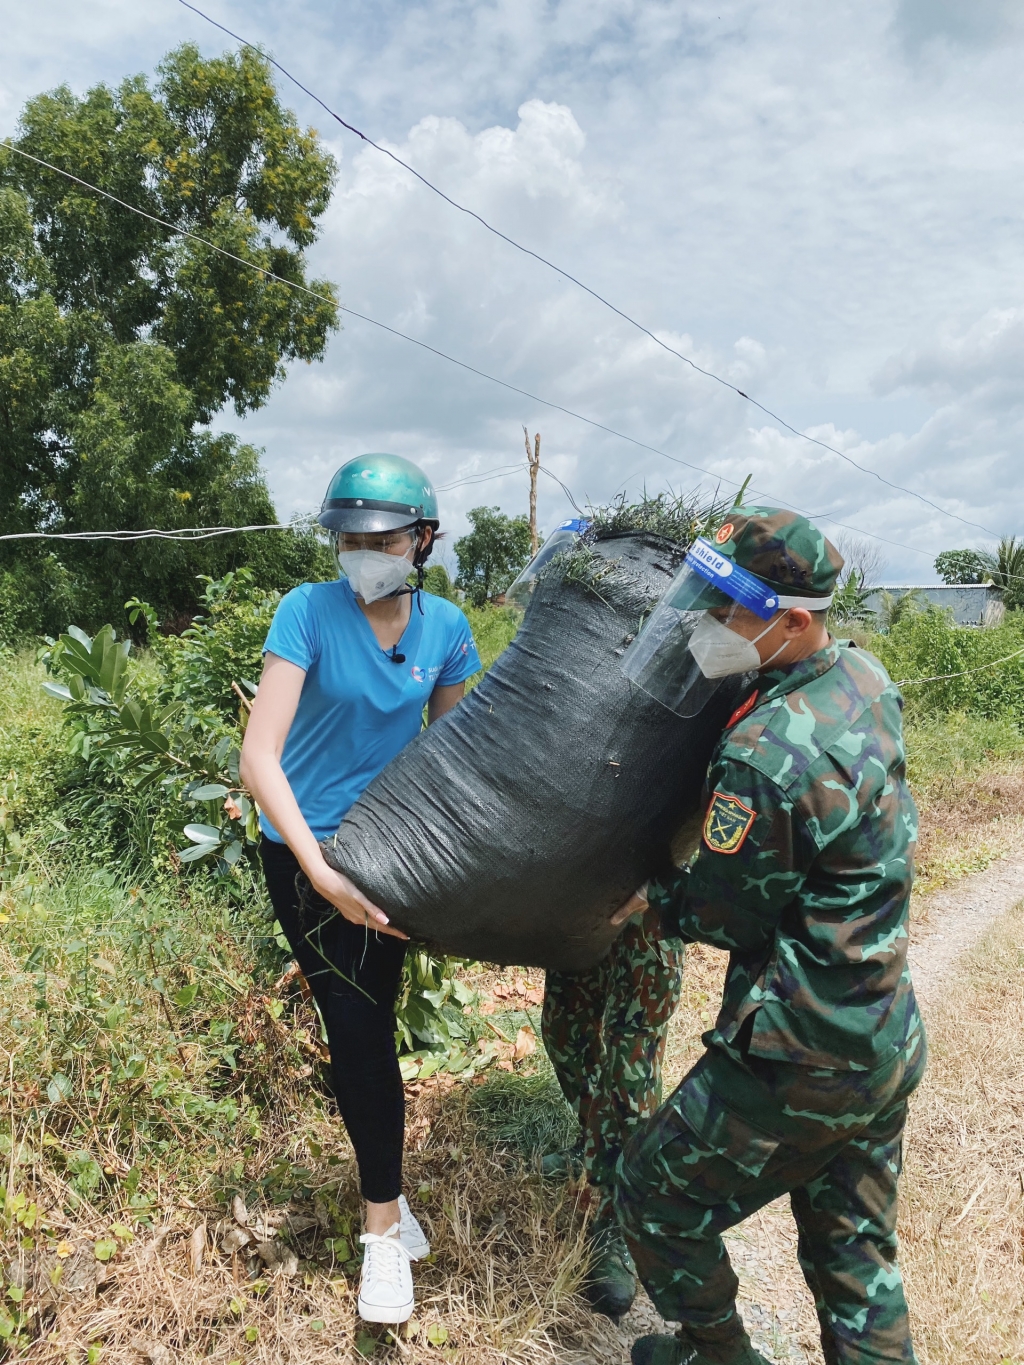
776 1305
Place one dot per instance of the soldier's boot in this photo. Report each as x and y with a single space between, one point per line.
683 1349
610 1286
567 1165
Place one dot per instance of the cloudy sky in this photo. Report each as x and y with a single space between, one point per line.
821 203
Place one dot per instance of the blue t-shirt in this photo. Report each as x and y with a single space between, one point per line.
358 709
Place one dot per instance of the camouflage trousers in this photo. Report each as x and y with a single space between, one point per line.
736 1135
605 1031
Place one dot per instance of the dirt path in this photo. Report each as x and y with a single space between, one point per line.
774 1299
950 922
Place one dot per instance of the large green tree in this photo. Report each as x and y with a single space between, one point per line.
492 554
120 340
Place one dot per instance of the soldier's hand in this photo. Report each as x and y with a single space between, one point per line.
636 905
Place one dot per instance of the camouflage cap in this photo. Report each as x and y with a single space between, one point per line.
782 548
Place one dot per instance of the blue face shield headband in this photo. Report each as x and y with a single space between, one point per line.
745 588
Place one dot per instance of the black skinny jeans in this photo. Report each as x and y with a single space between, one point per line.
354 975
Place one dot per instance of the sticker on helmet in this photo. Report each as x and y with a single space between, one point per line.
723 533
727 823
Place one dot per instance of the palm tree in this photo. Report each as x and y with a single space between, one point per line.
892 609
1006 569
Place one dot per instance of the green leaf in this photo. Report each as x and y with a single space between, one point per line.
197 851
232 852
465 995
436 1334
58 690
156 743
212 791
59 1088
185 996
366 1344
105 1248
200 834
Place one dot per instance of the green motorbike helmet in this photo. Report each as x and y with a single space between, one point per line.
374 493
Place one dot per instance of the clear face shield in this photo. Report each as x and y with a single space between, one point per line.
690 642
564 537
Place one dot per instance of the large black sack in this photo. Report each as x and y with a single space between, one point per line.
513 827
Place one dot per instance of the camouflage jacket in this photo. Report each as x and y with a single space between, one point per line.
805 867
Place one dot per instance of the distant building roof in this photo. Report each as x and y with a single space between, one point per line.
972 604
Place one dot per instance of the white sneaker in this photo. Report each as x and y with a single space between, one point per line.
412 1236
385 1288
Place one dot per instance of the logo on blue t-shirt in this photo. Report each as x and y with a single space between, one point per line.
417 673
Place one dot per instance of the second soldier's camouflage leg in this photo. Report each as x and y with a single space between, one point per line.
572 1026
846 1218
644 981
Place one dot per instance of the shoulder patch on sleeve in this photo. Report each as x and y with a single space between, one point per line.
727 823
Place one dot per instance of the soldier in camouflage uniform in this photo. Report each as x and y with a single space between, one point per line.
804 875
604 1031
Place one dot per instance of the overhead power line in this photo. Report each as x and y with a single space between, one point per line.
501 471
966 673
600 298
425 346
183 533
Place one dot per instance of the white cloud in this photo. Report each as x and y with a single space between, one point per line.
822 203
989 355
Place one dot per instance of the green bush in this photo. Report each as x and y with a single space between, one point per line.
493 630
924 644
221 650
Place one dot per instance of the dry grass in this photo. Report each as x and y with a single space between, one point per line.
962 1225
500 1286
968 820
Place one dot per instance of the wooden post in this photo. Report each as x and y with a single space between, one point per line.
533 458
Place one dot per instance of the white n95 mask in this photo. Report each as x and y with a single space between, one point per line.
374 574
720 652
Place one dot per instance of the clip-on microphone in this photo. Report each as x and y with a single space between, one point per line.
395 657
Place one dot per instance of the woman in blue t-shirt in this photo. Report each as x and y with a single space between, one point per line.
348 668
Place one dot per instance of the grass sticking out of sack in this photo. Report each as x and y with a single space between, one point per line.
679 517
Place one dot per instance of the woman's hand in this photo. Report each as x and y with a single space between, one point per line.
637 904
349 901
